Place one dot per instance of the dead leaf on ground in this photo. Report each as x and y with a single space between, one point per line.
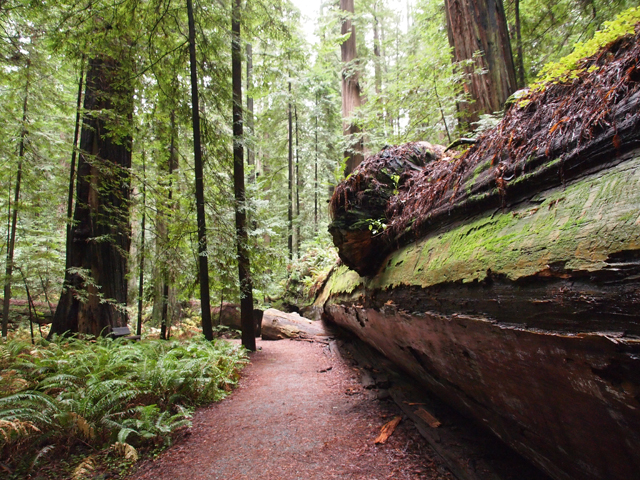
427 417
387 430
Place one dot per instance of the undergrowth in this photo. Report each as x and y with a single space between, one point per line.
100 402
568 67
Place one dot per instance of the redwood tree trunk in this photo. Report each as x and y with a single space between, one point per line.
350 90
242 237
94 294
480 25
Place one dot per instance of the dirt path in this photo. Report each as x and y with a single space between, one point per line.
298 413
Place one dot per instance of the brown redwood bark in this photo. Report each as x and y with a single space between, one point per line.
242 237
95 287
251 154
520 58
350 90
203 260
74 155
480 25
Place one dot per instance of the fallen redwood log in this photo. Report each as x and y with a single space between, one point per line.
512 289
555 135
277 325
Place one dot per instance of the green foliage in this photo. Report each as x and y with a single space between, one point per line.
308 272
71 393
568 67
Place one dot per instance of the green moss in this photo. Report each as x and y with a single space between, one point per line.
342 281
568 67
580 225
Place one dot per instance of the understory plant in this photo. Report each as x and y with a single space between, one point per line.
104 397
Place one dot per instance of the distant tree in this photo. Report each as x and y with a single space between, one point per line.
350 89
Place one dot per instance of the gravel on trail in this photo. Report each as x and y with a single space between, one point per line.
299 412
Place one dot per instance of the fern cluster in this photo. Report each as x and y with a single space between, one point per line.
105 394
568 67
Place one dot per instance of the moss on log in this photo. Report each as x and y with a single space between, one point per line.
526 319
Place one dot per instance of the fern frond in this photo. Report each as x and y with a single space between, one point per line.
12 429
126 451
85 469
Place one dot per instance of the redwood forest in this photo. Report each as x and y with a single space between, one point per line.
359 239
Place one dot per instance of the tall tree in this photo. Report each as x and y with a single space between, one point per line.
244 267
251 154
290 164
480 25
203 259
94 295
350 89
14 218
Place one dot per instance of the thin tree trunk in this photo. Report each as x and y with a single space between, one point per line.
32 306
165 321
350 90
376 53
14 220
242 237
290 212
520 60
251 155
298 185
315 183
46 294
165 327
203 260
74 154
444 121
481 25
142 235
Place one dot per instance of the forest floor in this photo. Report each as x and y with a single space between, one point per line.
299 412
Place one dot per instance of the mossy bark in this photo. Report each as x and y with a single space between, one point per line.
525 318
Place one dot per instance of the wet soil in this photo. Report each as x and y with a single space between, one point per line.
299 412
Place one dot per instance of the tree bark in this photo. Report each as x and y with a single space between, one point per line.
94 294
74 154
251 154
376 53
350 90
298 185
520 60
277 325
242 237
315 184
480 25
142 232
14 219
203 260
290 211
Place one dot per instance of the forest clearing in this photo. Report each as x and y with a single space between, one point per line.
320 239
